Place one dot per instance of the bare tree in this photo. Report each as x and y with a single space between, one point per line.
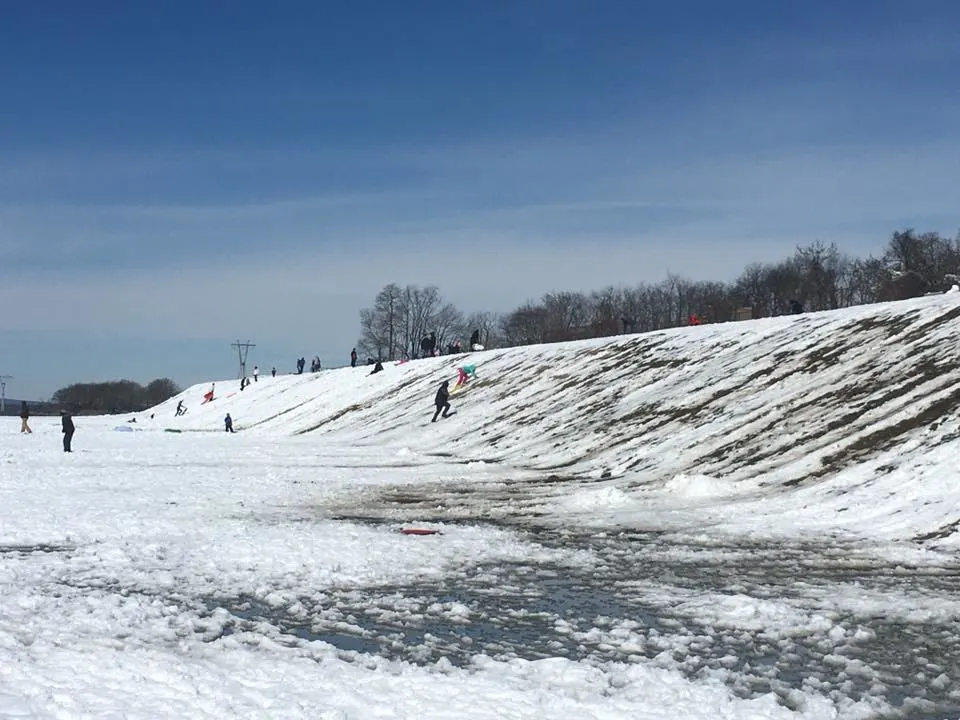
566 315
381 327
819 267
373 342
448 324
527 325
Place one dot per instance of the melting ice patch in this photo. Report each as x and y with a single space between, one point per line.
703 486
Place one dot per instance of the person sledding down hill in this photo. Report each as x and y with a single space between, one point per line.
208 396
465 373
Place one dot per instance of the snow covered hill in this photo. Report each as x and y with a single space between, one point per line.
827 422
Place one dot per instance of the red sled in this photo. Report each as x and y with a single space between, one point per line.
419 531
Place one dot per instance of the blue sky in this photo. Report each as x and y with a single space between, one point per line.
176 175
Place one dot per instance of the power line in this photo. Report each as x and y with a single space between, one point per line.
3 392
242 350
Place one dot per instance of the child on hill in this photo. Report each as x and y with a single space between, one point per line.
464 373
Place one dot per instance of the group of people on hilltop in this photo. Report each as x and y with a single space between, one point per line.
429 347
302 363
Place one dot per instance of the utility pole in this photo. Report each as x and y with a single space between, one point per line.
3 392
242 350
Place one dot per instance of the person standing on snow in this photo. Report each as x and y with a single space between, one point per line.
180 409
228 423
353 358
442 400
24 416
66 423
273 372
256 373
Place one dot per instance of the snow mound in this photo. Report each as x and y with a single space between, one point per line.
701 486
608 498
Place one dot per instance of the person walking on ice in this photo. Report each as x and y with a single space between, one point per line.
228 423
24 416
442 401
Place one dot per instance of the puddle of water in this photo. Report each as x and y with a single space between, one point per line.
536 611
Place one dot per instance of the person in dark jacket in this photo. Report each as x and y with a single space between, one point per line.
353 358
66 421
442 400
474 338
377 368
24 416
228 423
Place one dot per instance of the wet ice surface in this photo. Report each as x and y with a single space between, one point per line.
764 618
201 577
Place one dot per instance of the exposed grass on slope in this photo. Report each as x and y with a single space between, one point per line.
787 401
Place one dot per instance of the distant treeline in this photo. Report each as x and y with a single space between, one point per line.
12 408
118 396
816 277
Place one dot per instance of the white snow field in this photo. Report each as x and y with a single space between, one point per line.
743 520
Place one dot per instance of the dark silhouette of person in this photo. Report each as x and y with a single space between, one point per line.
377 368
353 358
180 409
228 423
66 421
273 372
24 416
474 338
442 400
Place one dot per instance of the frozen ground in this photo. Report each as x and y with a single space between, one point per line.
753 520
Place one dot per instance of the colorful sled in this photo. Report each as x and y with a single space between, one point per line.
419 531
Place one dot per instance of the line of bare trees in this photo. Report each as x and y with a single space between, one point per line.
117 396
816 277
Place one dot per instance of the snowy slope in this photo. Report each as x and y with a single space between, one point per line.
849 413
